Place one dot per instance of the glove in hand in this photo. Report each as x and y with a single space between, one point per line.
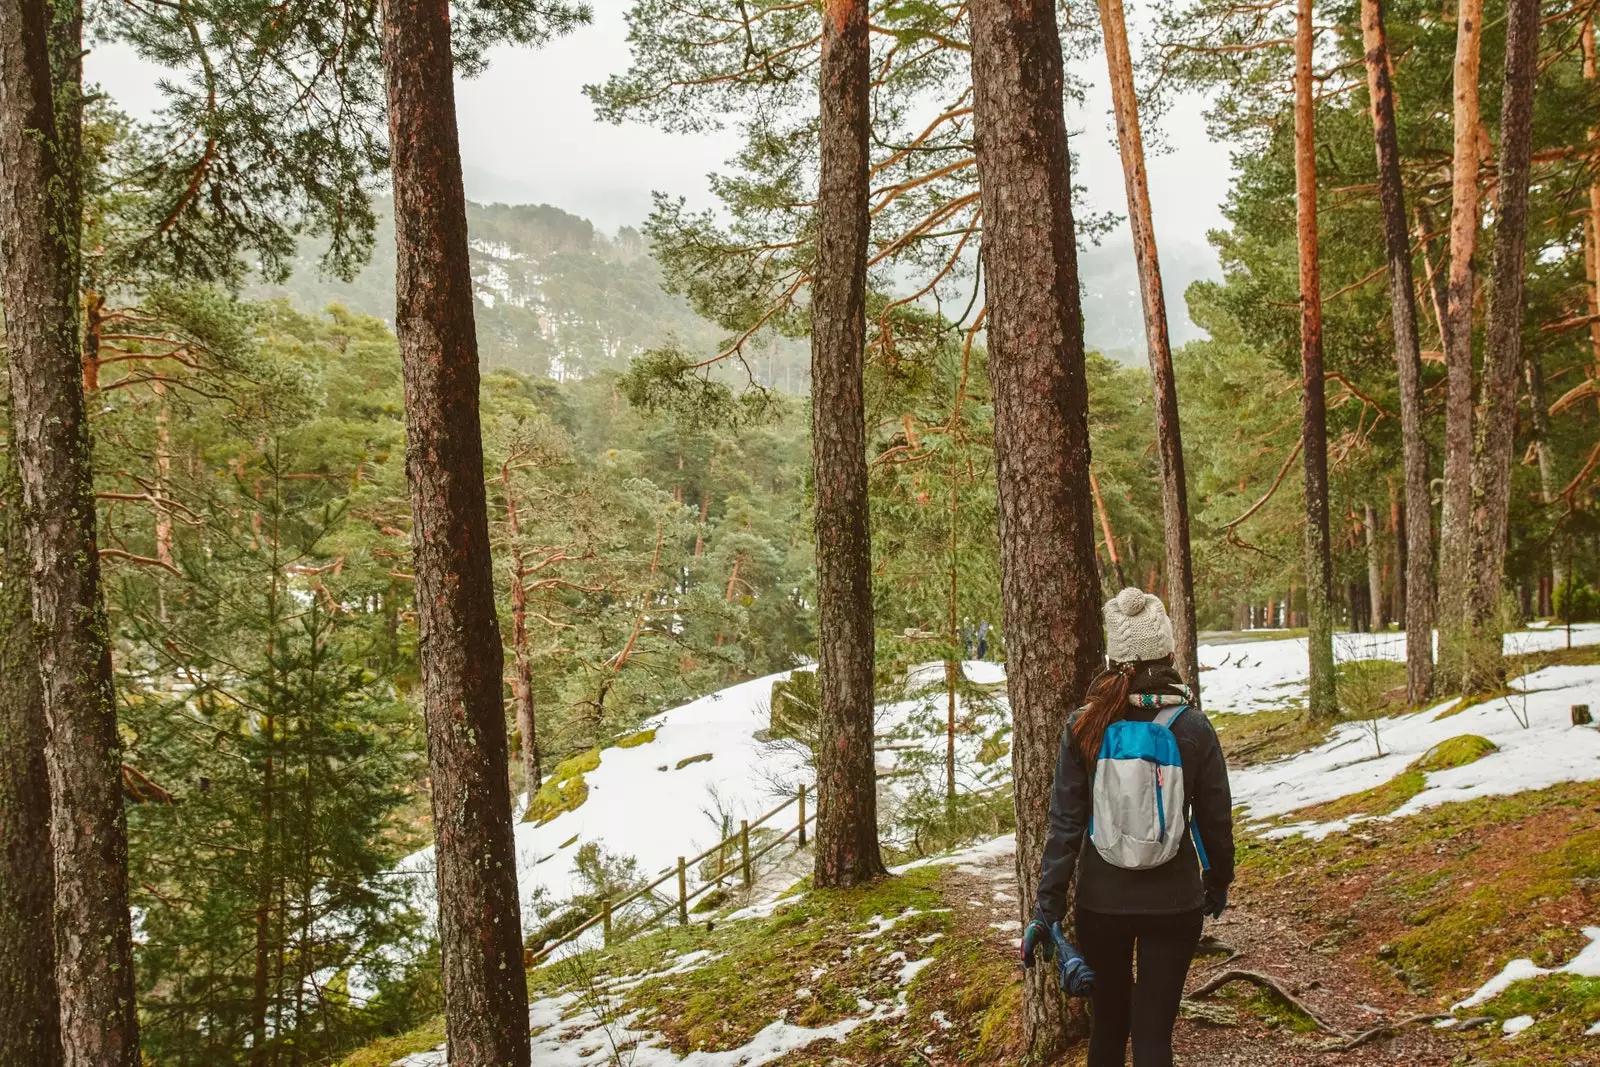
1047 940
1216 901
1075 976
1035 937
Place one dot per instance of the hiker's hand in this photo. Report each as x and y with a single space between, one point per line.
1216 901
1035 938
1075 976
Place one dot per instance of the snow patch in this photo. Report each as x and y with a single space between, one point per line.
1549 751
1512 1027
1585 964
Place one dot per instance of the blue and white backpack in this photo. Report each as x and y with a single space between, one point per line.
1138 820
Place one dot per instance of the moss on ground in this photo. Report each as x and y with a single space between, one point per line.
1447 896
634 740
383 1052
1455 752
1563 1006
566 789
1263 736
1379 800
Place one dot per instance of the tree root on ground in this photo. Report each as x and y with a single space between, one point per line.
1272 985
1351 1041
1388 1030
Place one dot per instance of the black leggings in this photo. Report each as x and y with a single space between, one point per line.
1148 1010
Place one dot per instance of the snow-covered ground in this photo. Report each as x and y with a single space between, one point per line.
1248 676
642 804
1537 746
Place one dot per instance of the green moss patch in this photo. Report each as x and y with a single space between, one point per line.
1379 800
643 737
768 968
1438 902
1563 1007
1455 752
565 790
383 1052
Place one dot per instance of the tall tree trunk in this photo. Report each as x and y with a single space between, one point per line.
952 666
1374 568
1455 518
40 219
1591 221
480 928
522 661
1050 584
1418 562
1158 347
1496 419
1323 694
1105 531
847 779
30 1024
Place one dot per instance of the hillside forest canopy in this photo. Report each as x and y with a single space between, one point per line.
338 513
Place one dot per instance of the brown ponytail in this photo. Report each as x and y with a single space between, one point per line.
1102 706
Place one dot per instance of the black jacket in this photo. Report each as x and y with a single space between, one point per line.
1174 887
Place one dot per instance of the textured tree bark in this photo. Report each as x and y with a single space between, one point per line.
1323 697
480 929
847 780
40 218
1050 584
522 660
30 1025
1374 568
1417 611
1591 221
1496 419
1455 517
1158 345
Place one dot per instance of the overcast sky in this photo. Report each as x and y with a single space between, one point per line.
528 135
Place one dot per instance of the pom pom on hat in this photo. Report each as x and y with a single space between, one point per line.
1137 627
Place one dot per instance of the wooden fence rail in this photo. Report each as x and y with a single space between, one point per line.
748 859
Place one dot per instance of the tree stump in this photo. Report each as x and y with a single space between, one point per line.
1581 716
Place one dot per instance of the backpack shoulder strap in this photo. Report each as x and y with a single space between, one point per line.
1170 715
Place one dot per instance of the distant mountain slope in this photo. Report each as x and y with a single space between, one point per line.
554 296
557 297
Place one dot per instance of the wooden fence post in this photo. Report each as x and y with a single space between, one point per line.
605 909
802 815
744 847
683 892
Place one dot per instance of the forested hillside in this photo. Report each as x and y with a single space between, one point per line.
555 297
435 632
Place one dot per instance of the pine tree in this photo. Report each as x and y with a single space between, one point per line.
1496 416
1455 519
480 930
40 220
30 1022
847 807
1322 696
1158 343
1418 580
1050 579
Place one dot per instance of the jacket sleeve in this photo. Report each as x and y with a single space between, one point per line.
1070 803
1212 806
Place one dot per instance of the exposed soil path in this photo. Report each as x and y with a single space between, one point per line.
1240 1026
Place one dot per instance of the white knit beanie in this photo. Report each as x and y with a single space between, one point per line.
1137 627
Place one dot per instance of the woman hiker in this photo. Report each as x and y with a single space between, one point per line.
1141 813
